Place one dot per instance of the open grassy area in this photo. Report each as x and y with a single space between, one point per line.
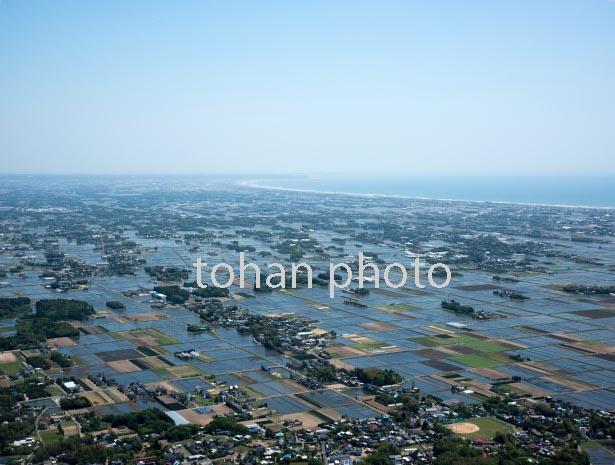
50 436
164 373
11 368
368 345
487 428
486 346
162 339
55 390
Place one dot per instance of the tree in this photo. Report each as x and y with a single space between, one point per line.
380 456
115 305
226 424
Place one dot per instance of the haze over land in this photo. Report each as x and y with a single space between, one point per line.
278 87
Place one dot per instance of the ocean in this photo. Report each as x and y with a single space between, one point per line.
590 191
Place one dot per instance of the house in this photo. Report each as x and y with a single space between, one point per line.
70 385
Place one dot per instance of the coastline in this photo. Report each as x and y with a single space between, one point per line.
254 184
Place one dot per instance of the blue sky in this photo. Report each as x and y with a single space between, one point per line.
380 87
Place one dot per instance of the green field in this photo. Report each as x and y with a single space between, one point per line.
476 361
11 368
163 373
162 339
50 436
368 345
486 346
55 390
488 428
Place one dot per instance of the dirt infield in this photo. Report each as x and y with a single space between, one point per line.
123 366
8 357
484 428
463 428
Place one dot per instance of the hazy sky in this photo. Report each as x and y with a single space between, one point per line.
307 86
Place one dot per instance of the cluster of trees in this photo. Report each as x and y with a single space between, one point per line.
295 250
61 359
33 389
264 287
115 305
72 403
456 307
598 423
181 432
381 454
14 306
360 291
8 398
90 421
209 291
38 361
31 331
301 279
323 279
475 248
409 404
197 328
257 326
564 427
441 273
581 289
11 430
324 372
47 322
227 424
73 450
453 450
63 309
377 376
174 293
144 422
514 295
170 273
237 247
